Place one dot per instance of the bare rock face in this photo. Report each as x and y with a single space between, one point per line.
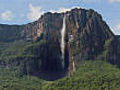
89 32
87 37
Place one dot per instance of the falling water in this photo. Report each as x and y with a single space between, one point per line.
63 39
73 66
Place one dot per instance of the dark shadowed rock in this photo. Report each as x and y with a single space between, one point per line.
87 37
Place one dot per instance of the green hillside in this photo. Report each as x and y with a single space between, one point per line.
75 50
91 75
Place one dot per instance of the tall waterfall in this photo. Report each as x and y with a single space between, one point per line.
63 31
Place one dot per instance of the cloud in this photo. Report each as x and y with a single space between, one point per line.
61 10
35 12
116 29
114 1
7 15
118 26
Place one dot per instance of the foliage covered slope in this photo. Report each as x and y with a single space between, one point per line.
35 47
92 75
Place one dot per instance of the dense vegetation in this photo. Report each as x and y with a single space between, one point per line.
32 52
11 31
92 75
15 63
25 56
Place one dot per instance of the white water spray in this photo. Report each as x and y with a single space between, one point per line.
63 39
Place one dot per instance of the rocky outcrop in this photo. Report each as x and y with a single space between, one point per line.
87 37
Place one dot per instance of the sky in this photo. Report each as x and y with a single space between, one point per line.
25 11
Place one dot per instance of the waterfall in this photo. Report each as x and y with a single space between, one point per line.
63 39
73 66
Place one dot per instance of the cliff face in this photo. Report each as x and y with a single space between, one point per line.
87 37
89 33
